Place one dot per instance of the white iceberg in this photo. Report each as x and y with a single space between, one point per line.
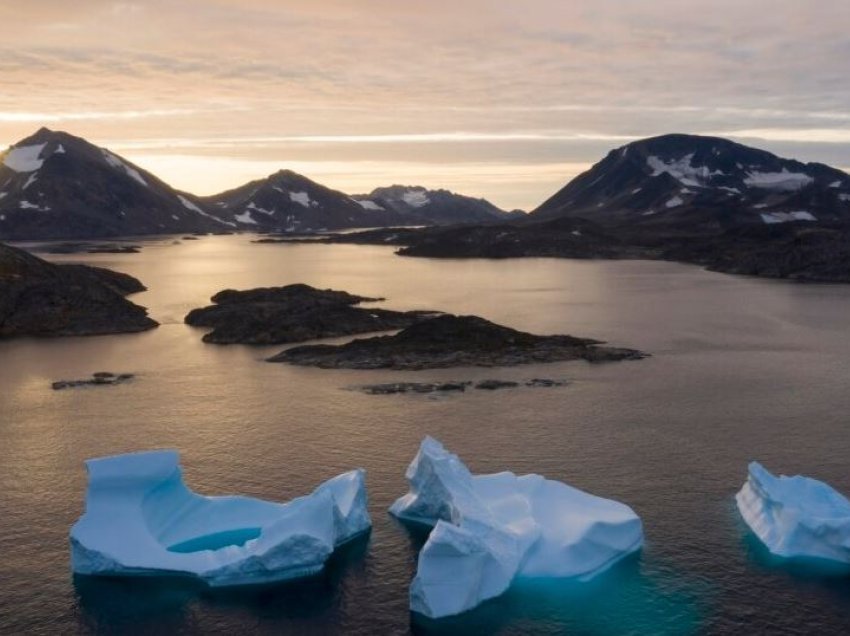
141 519
491 529
796 517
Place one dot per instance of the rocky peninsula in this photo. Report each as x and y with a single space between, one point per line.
293 313
38 298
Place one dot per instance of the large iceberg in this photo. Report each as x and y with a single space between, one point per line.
141 519
490 529
796 517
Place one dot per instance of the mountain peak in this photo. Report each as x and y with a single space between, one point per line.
711 181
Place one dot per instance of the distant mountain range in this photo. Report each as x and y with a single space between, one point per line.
54 185
420 206
689 198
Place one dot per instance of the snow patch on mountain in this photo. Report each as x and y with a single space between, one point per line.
24 158
256 208
785 217
784 181
245 217
369 205
188 204
26 205
115 162
674 202
302 198
416 198
30 180
682 169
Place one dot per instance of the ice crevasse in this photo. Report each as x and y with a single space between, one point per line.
490 529
796 517
141 519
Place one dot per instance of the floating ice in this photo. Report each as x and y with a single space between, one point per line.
141 519
490 529
796 516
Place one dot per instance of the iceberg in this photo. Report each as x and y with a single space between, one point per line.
141 519
489 530
796 517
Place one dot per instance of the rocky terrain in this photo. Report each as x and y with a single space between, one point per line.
453 341
294 313
38 298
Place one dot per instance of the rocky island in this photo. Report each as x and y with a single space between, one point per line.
38 298
453 341
293 313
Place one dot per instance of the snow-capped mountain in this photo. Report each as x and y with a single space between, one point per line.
433 207
701 181
55 185
287 201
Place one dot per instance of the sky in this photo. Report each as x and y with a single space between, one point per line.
498 99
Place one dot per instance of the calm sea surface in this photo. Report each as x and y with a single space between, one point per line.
742 369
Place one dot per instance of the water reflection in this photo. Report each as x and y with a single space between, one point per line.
623 599
123 605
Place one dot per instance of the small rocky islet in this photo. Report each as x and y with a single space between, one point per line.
101 378
293 313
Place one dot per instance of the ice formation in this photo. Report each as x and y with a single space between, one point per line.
141 519
491 529
796 516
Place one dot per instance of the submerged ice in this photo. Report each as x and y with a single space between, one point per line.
141 519
490 529
796 517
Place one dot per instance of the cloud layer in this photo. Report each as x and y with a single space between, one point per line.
422 92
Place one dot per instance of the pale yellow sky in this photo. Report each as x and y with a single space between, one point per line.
505 100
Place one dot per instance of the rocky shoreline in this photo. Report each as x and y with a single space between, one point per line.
392 388
38 298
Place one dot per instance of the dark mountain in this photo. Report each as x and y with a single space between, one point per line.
433 207
55 185
38 298
287 202
686 198
700 184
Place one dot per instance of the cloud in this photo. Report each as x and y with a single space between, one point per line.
459 79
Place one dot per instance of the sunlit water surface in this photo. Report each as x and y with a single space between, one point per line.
742 369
